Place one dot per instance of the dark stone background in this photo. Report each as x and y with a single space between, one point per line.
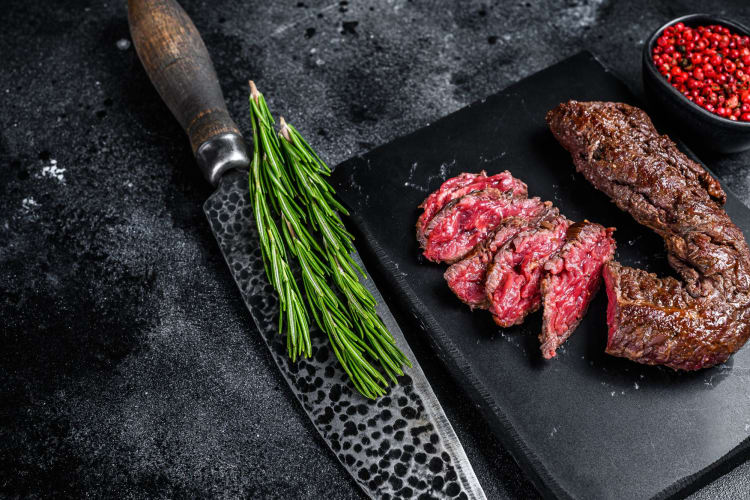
128 363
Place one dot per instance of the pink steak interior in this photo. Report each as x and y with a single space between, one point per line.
471 220
463 184
572 279
513 281
466 279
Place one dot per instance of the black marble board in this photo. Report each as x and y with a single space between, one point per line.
583 425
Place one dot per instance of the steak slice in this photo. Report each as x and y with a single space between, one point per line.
686 325
466 277
571 279
464 223
459 186
512 284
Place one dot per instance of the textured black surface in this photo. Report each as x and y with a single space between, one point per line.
129 363
602 427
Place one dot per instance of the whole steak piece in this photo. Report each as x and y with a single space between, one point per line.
461 185
466 222
689 324
466 278
571 279
512 284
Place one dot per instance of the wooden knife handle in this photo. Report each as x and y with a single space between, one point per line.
178 64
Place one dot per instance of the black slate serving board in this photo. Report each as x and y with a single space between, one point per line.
583 425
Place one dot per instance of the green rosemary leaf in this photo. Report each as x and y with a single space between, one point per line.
296 326
308 170
288 177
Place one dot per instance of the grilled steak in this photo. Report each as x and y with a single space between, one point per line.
656 321
571 279
689 324
466 222
466 277
459 186
512 284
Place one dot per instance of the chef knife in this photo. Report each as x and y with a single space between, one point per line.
400 445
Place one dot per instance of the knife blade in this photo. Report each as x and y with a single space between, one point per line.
400 445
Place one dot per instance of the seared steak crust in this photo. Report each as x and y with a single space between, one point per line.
656 321
685 325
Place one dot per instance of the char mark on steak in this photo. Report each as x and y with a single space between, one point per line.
466 222
512 284
686 325
466 277
571 279
459 186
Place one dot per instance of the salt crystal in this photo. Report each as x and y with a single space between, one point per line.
53 171
123 44
29 204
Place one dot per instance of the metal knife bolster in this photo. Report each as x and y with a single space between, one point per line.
220 154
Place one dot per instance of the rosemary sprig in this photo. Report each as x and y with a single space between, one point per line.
330 315
274 253
309 172
356 333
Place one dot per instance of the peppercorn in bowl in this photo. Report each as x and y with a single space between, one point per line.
696 71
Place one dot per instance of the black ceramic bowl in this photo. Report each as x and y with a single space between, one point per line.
698 126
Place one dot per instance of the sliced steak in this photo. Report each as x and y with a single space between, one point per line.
512 284
466 277
571 279
686 325
466 222
459 186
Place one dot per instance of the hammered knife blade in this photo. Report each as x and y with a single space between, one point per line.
400 445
